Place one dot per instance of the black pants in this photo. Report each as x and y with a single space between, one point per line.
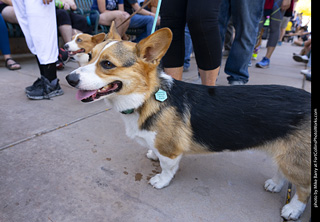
77 21
202 19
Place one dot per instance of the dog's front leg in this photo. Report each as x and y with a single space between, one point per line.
169 168
152 156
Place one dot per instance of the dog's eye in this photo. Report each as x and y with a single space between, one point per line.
107 65
79 40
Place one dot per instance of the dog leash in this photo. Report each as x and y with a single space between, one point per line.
142 7
288 196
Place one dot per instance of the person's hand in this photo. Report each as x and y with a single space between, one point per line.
71 3
46 2
66 6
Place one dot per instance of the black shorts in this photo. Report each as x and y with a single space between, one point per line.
2 6
202 19
77 21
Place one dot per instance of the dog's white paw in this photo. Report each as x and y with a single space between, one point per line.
292 211
160 181
273 187
152 156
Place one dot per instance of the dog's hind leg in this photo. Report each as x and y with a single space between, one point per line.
169 168
294 161
295 208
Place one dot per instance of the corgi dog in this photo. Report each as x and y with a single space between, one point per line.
172 118
81 45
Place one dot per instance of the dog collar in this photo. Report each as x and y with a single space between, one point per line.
127 111
160 96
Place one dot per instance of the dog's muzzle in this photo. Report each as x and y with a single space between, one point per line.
66 46
73 79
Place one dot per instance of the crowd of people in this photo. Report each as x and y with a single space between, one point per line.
201 26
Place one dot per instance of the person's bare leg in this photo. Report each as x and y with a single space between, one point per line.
270 50
9 15
209 77
65 32
11 61
118 17
175 73
282 32
123 28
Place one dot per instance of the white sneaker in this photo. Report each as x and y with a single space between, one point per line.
300 58
306 71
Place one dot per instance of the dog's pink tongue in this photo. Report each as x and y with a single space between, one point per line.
83 94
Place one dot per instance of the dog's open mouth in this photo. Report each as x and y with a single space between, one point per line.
91 95
72 53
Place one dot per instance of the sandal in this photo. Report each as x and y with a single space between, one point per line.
10 66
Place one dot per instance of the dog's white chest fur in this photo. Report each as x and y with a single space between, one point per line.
143 137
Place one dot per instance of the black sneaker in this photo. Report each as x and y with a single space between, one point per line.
45 89
59 65
63 55
36 84
63 58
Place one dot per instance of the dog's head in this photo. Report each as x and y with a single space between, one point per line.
83 43
122 71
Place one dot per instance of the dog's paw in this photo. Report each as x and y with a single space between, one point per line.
292 211
159 181
273 187
152 156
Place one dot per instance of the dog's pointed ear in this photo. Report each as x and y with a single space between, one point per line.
98 38
155 46
113 33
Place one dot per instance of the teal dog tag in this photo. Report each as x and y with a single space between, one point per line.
161 95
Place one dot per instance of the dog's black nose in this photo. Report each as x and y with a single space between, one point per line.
73 79
66 46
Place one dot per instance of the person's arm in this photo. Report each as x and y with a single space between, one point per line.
298 33
121 7
8 2
136 7
102 5
153 6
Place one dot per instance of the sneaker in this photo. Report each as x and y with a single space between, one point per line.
255 53
300 58
62 59
45 90
63 55
59 65
264 63
225 53
306 73
254 56
237 83
35 85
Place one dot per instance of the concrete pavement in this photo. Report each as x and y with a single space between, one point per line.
65 161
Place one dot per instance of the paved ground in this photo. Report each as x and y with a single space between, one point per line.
65 161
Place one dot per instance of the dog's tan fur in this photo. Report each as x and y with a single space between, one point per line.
84 42
88 42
